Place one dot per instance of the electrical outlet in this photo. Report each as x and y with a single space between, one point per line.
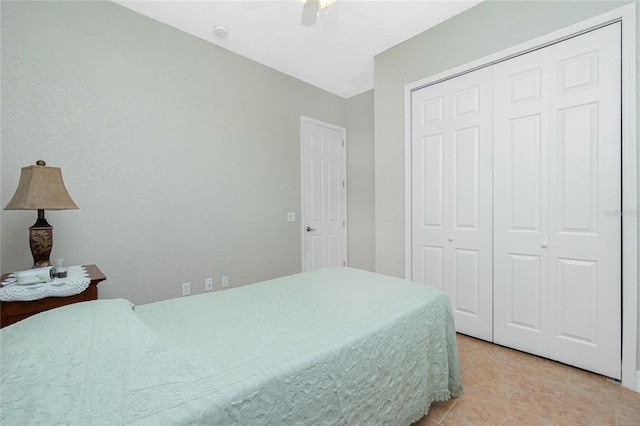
208 284
291 216
186 289
225 281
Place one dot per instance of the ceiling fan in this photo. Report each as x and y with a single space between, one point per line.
312 9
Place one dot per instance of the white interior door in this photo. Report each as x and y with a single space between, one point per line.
557 154
324 206
451 196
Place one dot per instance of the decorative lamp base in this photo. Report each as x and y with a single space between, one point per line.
41 241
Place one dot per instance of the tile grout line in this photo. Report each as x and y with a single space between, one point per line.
514 389
449 410
495 350
566 379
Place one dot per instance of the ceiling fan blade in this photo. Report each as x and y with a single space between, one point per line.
310 13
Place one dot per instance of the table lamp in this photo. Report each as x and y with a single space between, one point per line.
41 188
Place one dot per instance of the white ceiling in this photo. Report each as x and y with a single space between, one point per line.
336 54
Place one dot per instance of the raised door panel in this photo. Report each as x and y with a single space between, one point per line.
432 263
431 154
577 301
524 292
316 249
525 179
316 190
577 169
466 183
466 282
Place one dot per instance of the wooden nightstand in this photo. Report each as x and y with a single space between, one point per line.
12 312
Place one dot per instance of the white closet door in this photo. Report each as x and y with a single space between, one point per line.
557 281
521 223
452 184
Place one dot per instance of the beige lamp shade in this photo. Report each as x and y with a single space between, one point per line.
41 188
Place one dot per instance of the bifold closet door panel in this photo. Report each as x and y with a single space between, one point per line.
521 193
557 172
585 183
451 196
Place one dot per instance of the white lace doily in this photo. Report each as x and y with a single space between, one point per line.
77 281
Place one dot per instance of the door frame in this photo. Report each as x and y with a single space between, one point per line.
629 212
342 130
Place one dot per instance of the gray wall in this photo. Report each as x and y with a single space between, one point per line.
480 31
360 179
183 157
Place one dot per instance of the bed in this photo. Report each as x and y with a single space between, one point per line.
328 347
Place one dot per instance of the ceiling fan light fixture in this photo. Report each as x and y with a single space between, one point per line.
326 3
321 3
312 10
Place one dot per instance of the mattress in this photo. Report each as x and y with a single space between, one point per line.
328 347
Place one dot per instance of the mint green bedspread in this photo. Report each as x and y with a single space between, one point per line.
328 347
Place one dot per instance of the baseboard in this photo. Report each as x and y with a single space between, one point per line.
638 381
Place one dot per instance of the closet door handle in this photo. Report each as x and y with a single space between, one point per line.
450 238
544 244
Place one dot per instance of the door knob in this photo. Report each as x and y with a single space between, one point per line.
544 244
309 229
450 237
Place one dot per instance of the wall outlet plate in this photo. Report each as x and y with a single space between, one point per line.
186 289
208 284
225 281
291 217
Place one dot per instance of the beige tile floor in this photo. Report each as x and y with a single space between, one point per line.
507 387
